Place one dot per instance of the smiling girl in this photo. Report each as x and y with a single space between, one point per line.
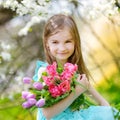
62 44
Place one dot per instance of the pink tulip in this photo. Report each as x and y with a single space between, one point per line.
32 101
38 86
40 102
25 94
27 80
26 104
30 95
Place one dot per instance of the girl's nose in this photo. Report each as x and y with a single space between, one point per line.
62 47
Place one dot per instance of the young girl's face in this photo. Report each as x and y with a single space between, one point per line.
61 45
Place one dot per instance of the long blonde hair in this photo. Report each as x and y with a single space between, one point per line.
55 23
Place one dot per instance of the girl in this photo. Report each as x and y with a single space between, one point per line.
61 42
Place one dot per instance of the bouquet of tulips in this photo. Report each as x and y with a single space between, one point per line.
54 84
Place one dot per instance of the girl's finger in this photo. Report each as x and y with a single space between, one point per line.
83 76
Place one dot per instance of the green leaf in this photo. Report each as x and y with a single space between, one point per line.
60 68
41 80
44 74
81 102
33 108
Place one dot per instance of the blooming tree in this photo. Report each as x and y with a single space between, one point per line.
42 9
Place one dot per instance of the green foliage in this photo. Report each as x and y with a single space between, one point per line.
111 90
81 102
11 109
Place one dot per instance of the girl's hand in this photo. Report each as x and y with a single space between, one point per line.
83 84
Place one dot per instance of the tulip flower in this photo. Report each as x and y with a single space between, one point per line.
38 85
26 105
27 80
25 94
30 95
32 101
40 102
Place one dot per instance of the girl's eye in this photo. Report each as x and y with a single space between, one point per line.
54 42
68 41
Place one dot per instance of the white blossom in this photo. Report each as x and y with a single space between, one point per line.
89 9
23 31
40 71
6 56
97 8
5 46
10 4
34 20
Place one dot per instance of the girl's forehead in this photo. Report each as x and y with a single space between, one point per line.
62 34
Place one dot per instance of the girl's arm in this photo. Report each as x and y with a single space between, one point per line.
50 112
97 97
95 94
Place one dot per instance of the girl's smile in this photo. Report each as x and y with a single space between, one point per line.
61 45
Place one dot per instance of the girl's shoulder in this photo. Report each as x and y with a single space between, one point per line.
39 65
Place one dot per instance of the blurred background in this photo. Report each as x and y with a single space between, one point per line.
21 47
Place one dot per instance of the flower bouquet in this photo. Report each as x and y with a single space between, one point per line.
54 84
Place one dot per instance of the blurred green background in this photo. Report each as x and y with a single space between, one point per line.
18 55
